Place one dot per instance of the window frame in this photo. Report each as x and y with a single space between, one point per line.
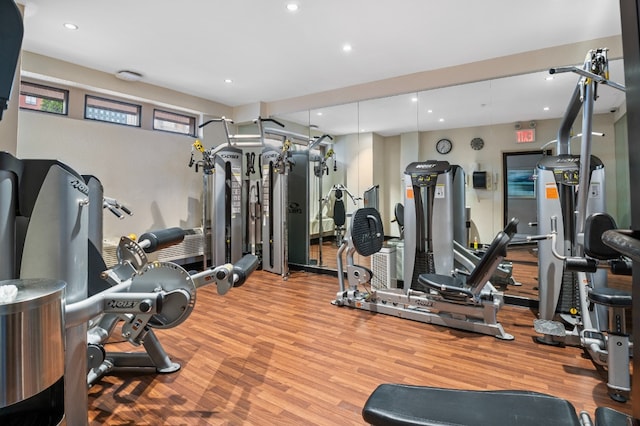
26 94
192 122
114 101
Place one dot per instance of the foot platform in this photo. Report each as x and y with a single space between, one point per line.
549 327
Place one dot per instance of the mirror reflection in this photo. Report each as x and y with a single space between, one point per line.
375 140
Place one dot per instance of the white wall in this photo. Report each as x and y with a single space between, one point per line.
145 170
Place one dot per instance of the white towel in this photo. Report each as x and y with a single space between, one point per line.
8 293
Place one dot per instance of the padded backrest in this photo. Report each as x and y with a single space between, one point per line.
596 225
398 212
492 257
367 234
339 213
512 227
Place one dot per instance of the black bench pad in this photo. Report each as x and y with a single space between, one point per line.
613 297
392 404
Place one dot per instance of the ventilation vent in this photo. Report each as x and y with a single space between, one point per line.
191 247
383 266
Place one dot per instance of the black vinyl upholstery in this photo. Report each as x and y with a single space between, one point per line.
367 234
456 288
339 213
596 225
403 405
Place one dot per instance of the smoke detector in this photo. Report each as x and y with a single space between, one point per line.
129 75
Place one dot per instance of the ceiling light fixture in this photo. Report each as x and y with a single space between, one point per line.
292 7
228 80
414 99
549 78
546 108
346 48
441 120
129 75
70 26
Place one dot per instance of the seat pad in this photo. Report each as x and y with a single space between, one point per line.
393 404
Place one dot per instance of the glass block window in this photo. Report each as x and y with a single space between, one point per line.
174 122
112 111
37 97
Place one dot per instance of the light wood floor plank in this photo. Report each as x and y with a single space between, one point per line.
277 352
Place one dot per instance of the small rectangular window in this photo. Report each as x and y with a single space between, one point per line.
174 122
111 111
37 97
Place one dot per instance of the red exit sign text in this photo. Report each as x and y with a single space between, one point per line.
525 135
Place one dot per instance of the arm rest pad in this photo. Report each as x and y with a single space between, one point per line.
392 404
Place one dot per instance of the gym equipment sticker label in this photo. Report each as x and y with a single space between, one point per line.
551 191
409 193
594 190
439 193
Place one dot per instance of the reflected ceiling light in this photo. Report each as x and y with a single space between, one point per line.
429 111
346 47
546 108
549 78
129 75
228 80
292 7
414 99
319 113
70 26
441 120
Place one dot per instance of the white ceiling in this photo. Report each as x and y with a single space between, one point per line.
271 54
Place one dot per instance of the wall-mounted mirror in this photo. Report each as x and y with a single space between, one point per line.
375 139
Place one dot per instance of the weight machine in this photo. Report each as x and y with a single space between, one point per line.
570 189
465 302
339 212
319 171
46 219
221 196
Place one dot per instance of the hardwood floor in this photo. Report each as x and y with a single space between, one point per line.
278 352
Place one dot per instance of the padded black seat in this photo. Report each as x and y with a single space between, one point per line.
457 288
395 405
612 297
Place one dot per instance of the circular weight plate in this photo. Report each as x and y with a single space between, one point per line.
166 276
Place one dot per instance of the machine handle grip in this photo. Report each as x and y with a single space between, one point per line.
537 237
156 240
580 264
243 268
262 120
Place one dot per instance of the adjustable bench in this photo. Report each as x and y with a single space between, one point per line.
403 405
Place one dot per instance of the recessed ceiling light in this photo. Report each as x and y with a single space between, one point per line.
292 7
549 78
414 99
346 48
429 111
441 120
319 113
228 80
70 26
546 108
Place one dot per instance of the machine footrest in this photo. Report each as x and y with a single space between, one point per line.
549 327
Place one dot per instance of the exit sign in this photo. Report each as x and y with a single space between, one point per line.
525 135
